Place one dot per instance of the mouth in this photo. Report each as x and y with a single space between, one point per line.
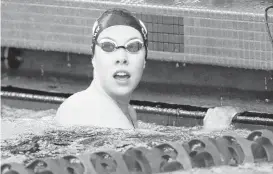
121 75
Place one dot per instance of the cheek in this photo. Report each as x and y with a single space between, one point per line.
138 62
103 62
103 68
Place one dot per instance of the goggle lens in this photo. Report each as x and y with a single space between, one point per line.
108 46
132 47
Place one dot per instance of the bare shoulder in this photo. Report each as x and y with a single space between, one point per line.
71 106
71 102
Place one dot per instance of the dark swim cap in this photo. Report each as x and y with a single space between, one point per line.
118 16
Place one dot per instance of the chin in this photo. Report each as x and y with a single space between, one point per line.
123 91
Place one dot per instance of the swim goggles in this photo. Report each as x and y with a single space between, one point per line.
131 47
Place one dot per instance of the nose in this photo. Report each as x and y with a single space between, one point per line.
122 58
122 61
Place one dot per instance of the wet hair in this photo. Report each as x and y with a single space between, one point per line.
118 16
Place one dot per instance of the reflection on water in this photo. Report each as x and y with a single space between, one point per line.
27 134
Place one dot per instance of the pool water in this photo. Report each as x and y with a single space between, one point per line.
28 134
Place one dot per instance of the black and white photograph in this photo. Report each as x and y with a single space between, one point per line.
136 87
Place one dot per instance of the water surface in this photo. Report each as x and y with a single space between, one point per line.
28 135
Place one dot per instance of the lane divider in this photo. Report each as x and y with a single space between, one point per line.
202 152
182 111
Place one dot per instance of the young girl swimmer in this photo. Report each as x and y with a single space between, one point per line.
119 47
119 56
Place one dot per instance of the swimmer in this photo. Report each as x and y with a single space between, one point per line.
119 47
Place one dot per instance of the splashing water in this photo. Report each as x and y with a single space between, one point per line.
28 135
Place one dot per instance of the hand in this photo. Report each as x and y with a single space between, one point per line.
220 118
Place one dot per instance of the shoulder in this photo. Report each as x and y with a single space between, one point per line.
72 101
72 106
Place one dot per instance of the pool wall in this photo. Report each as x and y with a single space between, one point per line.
192 46
176 33
195 52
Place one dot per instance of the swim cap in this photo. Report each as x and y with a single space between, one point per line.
118 16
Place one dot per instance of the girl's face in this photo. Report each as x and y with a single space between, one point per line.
120 71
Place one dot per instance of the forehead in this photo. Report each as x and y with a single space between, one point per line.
120 33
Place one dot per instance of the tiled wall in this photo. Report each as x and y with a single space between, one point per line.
165 33
231 40
222 38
